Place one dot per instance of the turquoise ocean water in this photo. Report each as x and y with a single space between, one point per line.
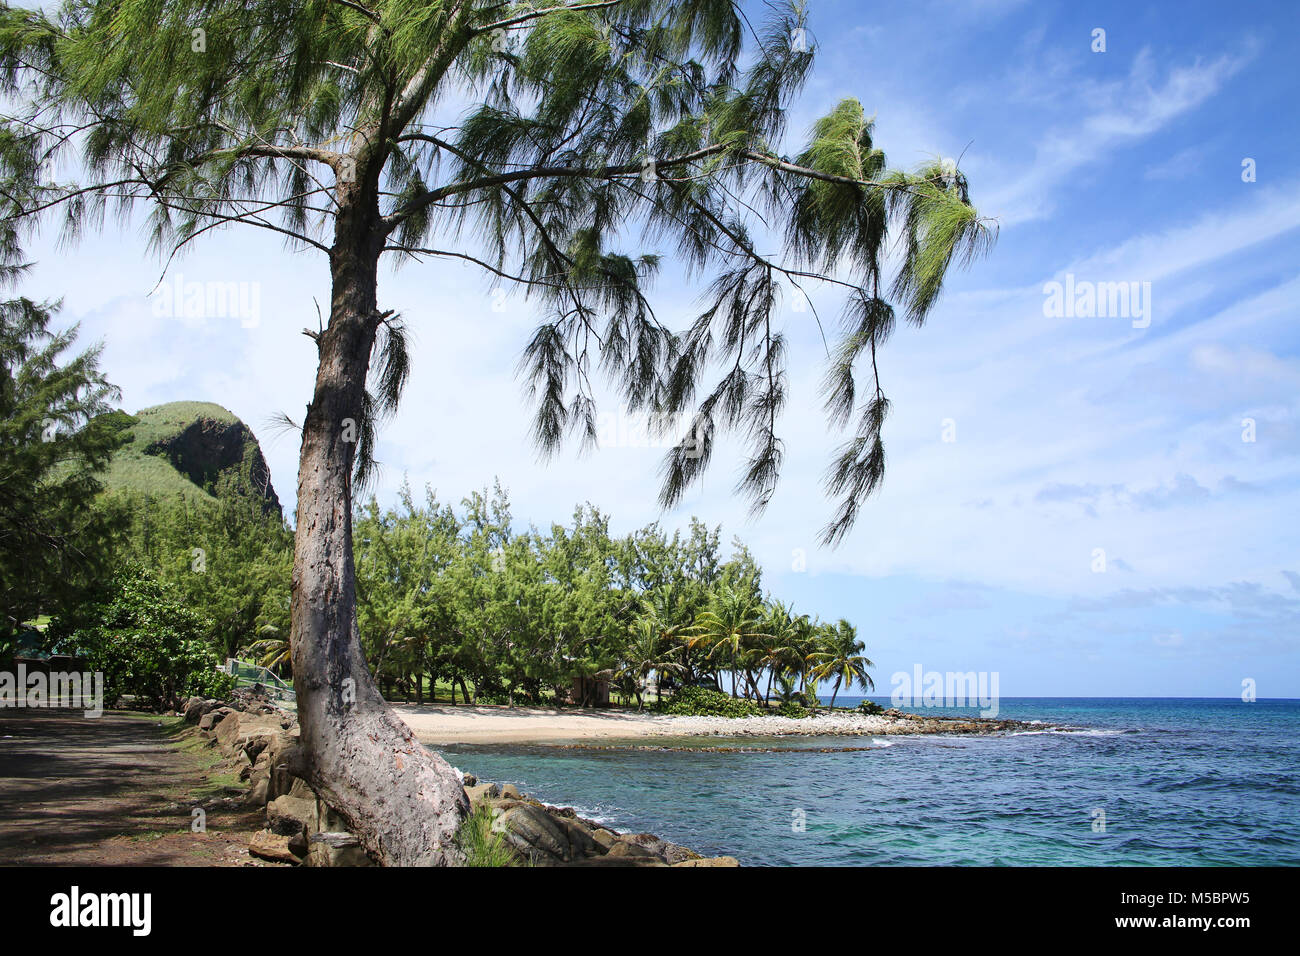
1128 782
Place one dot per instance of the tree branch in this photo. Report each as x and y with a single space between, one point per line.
535 14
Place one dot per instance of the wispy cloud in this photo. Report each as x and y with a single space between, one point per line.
1103 118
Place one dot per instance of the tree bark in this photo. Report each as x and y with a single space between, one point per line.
403 802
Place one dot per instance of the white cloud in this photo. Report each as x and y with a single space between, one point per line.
1102 118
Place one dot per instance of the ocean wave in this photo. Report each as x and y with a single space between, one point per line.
605 816
1072 732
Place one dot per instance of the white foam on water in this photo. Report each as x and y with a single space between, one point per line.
603 817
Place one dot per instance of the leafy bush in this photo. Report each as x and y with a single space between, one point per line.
870 708
707 702
146 643
792 708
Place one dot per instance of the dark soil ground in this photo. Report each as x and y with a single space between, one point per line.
118 790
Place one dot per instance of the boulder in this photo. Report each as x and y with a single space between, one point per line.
670 853
196 708
266 845
280 753
510 792
259 782
249 733
674 853
289 816
535 834
208 722
477 793
624 848
581 842
335 849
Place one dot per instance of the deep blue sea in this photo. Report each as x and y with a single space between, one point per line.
1147 782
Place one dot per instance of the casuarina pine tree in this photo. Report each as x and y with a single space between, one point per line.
595 136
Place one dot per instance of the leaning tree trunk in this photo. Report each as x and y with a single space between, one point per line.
403 802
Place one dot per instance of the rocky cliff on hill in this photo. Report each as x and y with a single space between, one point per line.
198 451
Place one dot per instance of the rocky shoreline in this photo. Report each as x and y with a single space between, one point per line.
888 723
257 742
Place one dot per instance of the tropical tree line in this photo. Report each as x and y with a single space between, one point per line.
460 596
457 598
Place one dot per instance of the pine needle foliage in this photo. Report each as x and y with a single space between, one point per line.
599 136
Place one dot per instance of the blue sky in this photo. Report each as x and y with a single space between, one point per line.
1071 434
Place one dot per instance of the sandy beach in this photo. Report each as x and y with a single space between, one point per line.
444 724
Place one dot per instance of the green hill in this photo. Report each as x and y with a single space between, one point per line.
193 450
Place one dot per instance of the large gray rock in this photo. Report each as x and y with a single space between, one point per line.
289 816
247 733
581 841
209 721
196 708
280 753
259 782
624 848
534 833
670 853
477 793
270 776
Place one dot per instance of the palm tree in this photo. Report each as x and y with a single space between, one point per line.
787 687
272 651
728 628
778 651
649 650
841 658
806 642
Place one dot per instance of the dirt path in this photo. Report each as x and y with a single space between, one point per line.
118 790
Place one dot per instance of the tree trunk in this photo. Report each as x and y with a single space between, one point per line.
403 802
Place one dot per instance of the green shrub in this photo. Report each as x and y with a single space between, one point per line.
707 702
145 641
792 708
870 708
